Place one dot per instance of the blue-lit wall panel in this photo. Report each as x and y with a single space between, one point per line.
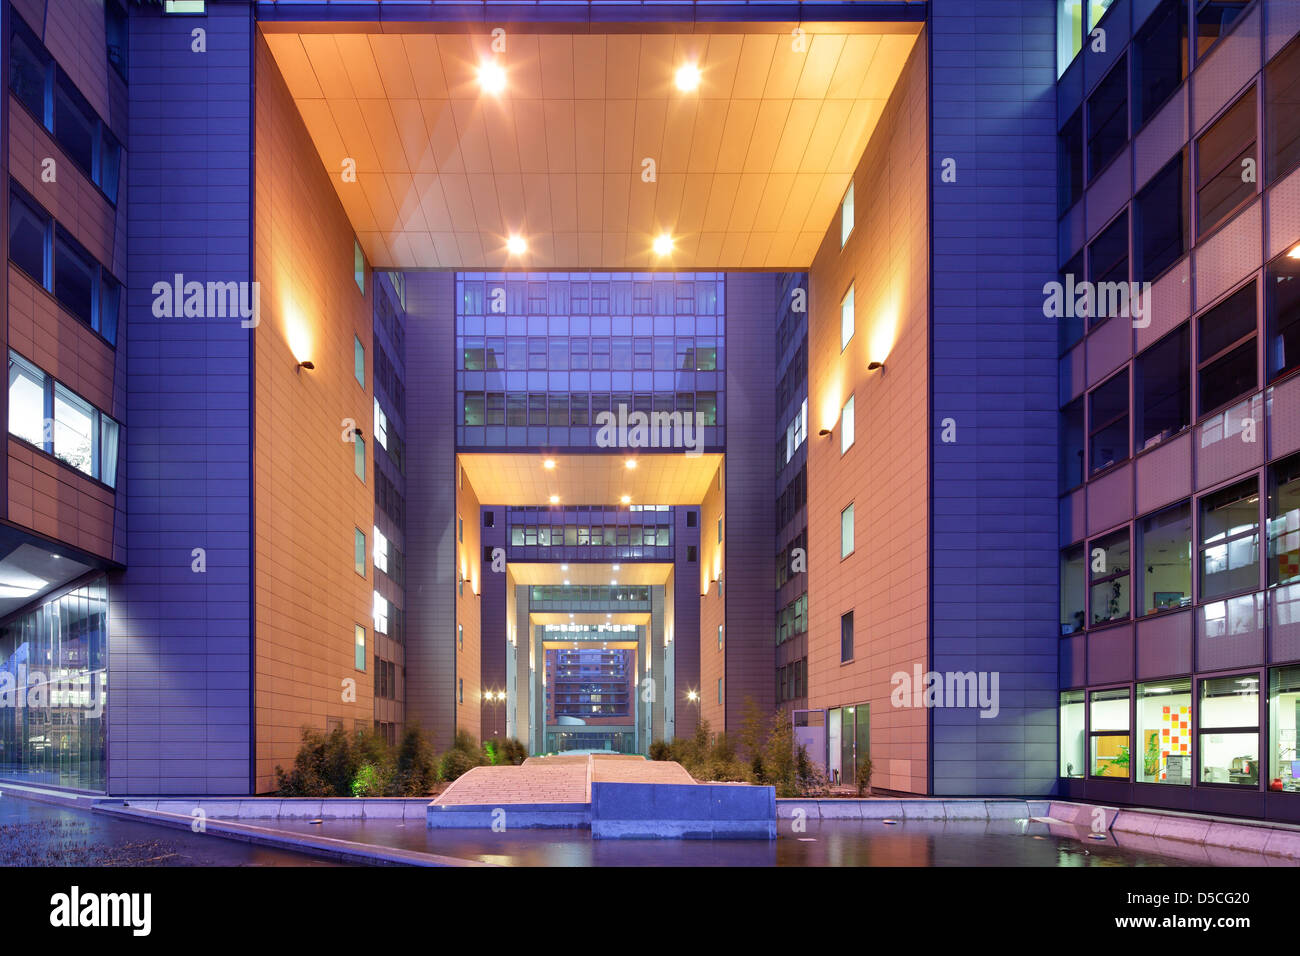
994 505
180 641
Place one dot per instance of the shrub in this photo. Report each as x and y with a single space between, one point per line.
864 776
512 751
780 765
368 782
416 768
809 777
465 754
362 763
454 764
661 750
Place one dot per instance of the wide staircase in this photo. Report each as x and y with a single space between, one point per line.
614 795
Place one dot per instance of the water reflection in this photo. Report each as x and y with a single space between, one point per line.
825 843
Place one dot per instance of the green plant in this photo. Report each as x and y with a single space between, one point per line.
512 751
864 776
1120 760
1151 759
368 782
416 767
465 754
661 750
810 779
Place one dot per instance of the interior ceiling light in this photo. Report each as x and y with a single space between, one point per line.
549 464
555 499
687 77
1295 251
516 245
630 464
663 244
626 499
491 77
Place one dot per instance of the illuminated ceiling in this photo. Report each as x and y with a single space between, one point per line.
556 617
633 574
28 572
749 167
658 479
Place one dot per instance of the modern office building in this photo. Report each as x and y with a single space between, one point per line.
580 371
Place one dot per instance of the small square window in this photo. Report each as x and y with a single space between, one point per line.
692 517
690 553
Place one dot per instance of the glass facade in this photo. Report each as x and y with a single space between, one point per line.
1178 599
543 358
629 533
54 688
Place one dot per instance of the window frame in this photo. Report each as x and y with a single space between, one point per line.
1253 530
1204 362
1094 429
1201 182
1094 732
847 426
1200 729
848 309
846 214
100 421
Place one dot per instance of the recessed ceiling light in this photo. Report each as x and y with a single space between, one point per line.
566 584
564 567
687 77
516 245
555 499
626 499
549 464
663 244
630 464
491 77
614 581
616 567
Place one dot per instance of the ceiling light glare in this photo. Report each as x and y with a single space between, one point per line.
491 77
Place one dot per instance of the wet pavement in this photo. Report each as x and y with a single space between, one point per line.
39 834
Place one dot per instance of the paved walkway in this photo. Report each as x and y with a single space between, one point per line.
559 779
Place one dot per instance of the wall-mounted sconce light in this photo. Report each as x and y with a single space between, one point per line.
306 365
875 365
823 431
